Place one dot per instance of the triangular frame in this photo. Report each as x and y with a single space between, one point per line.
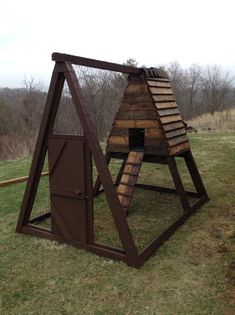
63 71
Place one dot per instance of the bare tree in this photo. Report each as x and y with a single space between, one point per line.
216 86
193 80
178 81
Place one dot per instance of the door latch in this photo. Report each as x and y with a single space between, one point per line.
80 194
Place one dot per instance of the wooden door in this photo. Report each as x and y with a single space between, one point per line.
70 187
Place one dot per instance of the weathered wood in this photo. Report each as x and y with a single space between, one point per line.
138 157
137 87
137 97
161 91
131 169
122 188
174 141
131 157
156 83
162 105
125 190
154 133
173 126
124 201
117 148
158 79
135 157
163 126
179 148
128 179
119 140
137 106
136 123
168 119
120 132
157 142
168 112
163 98
151 149
175 133
137 115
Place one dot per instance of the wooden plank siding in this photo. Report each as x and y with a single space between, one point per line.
161 91
175 133
119 132
137 98
155 83
118 140
180 139
179 148
137 106
167 112
154 133
117 148
136 123
137 115
163 98
169 119
173 126
149 104
163 105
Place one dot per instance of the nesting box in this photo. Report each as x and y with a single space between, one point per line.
148 119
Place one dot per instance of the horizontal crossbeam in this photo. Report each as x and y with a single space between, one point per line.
93 63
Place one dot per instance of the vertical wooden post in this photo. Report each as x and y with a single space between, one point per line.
53 98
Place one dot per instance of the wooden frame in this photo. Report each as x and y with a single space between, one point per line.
63 70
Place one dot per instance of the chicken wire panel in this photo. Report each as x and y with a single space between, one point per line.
156 174
67 121
102 92
159 174
42 204
150 214
105 231
185 175
113 166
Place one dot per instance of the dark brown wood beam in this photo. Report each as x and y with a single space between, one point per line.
93 63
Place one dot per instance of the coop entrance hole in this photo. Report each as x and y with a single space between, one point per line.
136 139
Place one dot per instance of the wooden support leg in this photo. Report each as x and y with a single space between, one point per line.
178 183
194 173
98 181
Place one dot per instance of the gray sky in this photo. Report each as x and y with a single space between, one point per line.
152 32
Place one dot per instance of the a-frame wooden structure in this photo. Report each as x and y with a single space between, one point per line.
72 196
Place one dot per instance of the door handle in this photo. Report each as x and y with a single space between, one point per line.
80 194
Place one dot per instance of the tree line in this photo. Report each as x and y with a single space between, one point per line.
200 90
197 89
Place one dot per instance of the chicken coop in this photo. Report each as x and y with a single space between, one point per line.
147 128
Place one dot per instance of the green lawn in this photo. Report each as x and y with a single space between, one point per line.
192 273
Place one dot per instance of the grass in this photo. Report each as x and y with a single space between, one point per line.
192 273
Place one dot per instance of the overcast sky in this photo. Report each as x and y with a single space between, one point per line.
153 32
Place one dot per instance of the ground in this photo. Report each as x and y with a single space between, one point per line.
192 273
